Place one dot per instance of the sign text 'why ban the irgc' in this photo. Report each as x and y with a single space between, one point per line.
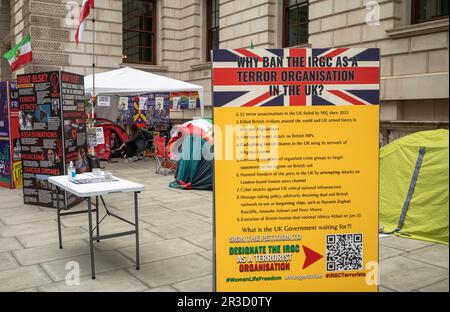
296 75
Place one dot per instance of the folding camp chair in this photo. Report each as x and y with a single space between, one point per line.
163 162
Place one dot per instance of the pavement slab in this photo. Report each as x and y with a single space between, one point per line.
105 261
51 238
199 202
405 244
162 289
385 289
169 271
388 252
27 228
170 218
113 281
441 286
208 254
144 210
10 243
181 229
11 210
28 217
202 284
435 254
7 261
34 289
162 250
22 278
403 274
47 253
206 211
203 240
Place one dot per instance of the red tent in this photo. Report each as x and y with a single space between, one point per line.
103 151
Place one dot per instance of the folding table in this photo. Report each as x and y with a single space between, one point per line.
88 185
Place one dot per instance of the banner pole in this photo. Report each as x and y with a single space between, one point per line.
93 62
94 97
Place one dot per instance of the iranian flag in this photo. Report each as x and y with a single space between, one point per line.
20 55
85 9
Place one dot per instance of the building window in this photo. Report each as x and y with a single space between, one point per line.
212 27
428 10
295 27
139 31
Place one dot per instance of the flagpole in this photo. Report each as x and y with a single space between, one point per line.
93 74
93 60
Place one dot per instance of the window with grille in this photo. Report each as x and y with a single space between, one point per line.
212 27
139 31
295 27
428 10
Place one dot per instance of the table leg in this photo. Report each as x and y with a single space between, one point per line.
136 223
58 213
91 243
96 217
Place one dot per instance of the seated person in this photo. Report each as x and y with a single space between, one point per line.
114 145
135 145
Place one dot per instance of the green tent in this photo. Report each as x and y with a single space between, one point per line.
414 186
194 171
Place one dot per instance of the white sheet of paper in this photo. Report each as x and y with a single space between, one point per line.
142 103
104 101
123 103
175 102
99 135
159 103
192 103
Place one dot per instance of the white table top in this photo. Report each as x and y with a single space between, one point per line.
94 189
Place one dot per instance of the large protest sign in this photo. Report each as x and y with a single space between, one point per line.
5 145
10 164
296 169
52 131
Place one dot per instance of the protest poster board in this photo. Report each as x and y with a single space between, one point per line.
296 169
159 111
5 148
10 171
184 100
139 114
52 123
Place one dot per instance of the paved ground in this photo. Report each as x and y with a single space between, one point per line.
176 243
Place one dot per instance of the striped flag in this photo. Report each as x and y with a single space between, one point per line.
85 9
20 55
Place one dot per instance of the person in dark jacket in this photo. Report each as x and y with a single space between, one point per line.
135 144
114 147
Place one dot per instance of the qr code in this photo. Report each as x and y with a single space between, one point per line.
344 252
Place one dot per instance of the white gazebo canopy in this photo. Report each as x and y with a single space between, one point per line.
129 81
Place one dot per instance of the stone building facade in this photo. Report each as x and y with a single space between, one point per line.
414 52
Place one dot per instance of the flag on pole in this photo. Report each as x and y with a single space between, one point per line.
20 55
84 13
